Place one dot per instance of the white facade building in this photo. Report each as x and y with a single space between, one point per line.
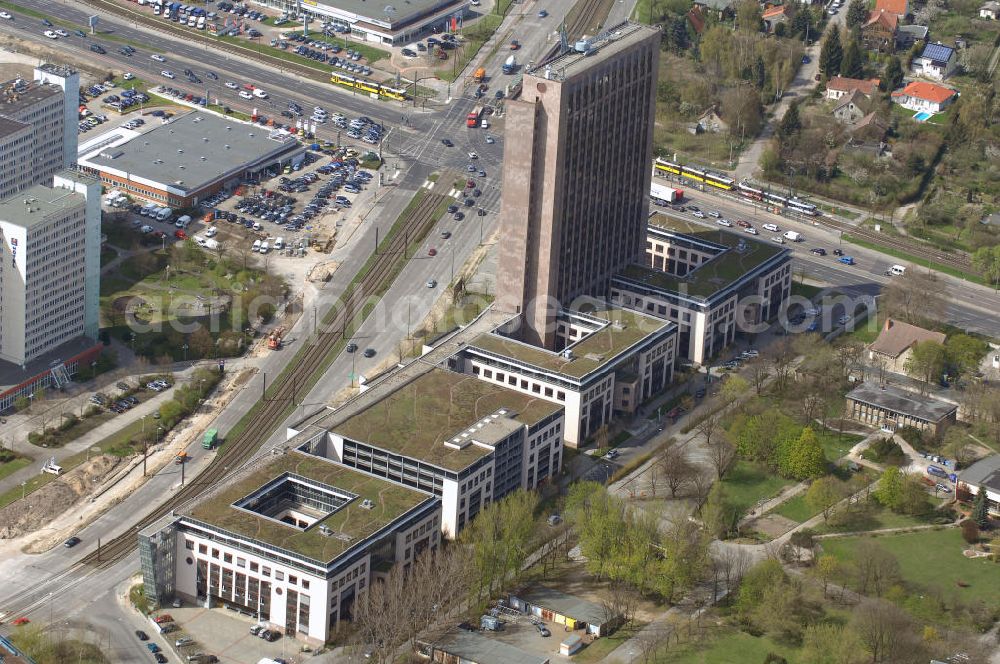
709 282
49 267
611 360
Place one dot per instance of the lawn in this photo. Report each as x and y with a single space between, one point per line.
872 516
796 509
731 647
602 647
932 555
834 446
866 333
805 290
747 483
10 467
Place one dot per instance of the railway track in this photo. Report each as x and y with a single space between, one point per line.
951 260
578 20
305 364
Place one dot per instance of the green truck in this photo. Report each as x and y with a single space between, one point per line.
211 438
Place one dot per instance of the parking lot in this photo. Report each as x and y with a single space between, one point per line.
228 633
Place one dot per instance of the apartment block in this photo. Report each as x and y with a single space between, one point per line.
49 267
576 176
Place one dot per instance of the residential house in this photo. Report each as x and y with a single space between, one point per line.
937 61
721 8
900 8
878 33
697 19
839 86
983 475
990 10
775 15
908 35
868 135
923 96
896 341
850 109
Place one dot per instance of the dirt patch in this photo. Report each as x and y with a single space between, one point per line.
53 499
773 525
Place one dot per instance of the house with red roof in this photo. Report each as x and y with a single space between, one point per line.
839 86
900 8
924 96
878 33
775 15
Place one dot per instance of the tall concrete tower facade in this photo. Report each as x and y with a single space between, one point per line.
576 175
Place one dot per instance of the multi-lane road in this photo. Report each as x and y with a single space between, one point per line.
969 306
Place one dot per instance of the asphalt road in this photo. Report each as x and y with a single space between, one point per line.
970 306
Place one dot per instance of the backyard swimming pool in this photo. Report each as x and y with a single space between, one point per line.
923 116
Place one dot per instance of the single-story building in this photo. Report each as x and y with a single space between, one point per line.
461 647
895 343
189 158
775 15
990 10
891 408
50 371
923 96
908 35
983 475
936 61
563 609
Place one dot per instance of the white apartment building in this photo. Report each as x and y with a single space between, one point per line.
710 282
610 360
49 267
292 541
38 128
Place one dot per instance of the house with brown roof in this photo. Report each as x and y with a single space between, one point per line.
900 8
878 33
697 19
868 135
839 86
851 108
924 96
896 341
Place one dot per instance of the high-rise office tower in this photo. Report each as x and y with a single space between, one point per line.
576 175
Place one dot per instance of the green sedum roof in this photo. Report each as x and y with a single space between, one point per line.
353 521
420 416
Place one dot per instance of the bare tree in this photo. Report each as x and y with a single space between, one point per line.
882 628
919 299
675 469
619 603
382 617
721 453
877 568
759 371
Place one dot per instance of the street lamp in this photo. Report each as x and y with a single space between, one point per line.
352 349
185 349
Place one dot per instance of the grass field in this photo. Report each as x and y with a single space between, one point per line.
805 290
796 509
602 647
747 483
9 467
932 556
834 446
731 647
871 517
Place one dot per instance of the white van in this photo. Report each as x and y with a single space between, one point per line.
264 247
164 214
260 94
183 222
211 231
897 270
279 244
201 22
149 209
256 246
